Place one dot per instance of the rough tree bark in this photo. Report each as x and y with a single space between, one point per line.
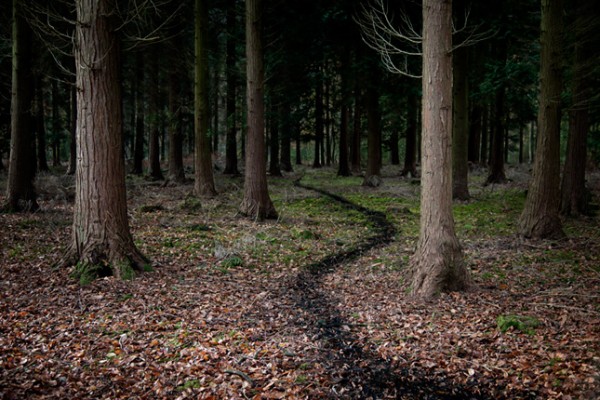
256 203
438 261
204 184
20 192
101 242
540 218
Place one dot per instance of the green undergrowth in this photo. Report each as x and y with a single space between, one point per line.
490 213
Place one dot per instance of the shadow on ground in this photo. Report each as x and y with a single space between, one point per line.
355 370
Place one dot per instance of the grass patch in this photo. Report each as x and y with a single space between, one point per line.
522 323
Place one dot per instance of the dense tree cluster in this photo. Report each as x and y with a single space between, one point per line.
104 87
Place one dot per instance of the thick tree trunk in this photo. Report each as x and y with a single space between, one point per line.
20 192
540 217
102 243
154 117
256 203
231 161
438 262
373 173
574 200
204 184
460 128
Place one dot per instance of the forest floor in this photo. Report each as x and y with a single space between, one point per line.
313 305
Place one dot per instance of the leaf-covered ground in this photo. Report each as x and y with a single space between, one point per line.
314 305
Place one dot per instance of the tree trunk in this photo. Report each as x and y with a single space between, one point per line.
204 184
496 174
328 133
373 173
274 168
102 243
286 137
485 137
475 133
72 118
154 114
540 217
438 261
460 128
343 166
231 161
20 192
355 145
394 152
256 203
40 126
298 146
176 172
56 125
319 126
574 200
521 141
138 95
410 151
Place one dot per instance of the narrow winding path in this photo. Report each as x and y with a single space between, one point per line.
358 372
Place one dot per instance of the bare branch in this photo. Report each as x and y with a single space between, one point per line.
397 43
380 34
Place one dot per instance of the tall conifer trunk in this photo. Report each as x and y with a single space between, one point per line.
154 116
101 243
460 128
256 203
438 262
231 162
540 217
204 184
574 200
20 192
